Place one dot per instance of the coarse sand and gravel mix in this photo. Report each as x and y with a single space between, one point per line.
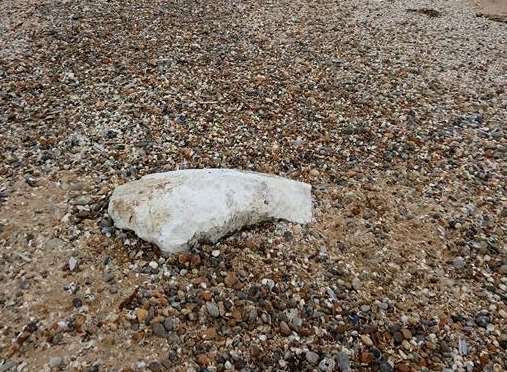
395 112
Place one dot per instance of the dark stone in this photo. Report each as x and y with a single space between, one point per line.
384 366
159 330
170 324
343 362
458 318
288 236
482 320
398 337
444 348
155 367
94 368
77 303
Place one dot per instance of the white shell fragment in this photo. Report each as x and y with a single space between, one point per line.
176 209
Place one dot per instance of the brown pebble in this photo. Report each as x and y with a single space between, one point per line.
195 260
210 333
284 329
401 367
231 279
141 315
155 367
184 259
159 330
406 334
137 337
398 337
366 357
79 320
206 296
202 360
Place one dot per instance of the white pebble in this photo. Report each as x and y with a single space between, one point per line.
215 253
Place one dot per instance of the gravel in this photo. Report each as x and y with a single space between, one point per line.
393 111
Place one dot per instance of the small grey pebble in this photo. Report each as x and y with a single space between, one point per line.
385 366
252 315
312 357
297 322
24 284
108 276
55 362
158 329
170 324
365 308
459 263
155 367
213 309
356 284
181 119
482 320
53 244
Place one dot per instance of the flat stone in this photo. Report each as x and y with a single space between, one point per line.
55 362
406 333
170 324
312 357
213 309
54 243
175 210
108 276
284 328
158 329
155 367
81 200
343 361
72 264
356 284
365 308
459 262
385 366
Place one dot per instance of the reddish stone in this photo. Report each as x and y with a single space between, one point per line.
401 367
